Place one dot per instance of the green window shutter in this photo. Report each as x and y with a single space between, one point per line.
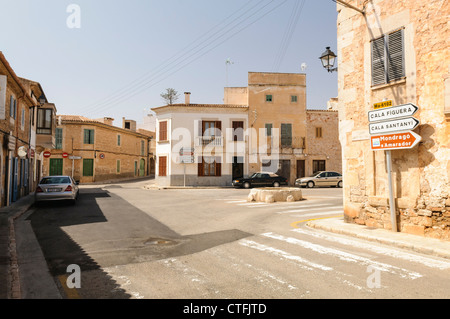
88 136
268 129
88 167
118 166
286 135
56 166
58 138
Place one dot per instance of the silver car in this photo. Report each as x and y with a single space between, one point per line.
321 178
52 188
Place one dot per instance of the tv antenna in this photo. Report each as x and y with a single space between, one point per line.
304 66
227 63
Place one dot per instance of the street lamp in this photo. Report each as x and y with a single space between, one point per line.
328 58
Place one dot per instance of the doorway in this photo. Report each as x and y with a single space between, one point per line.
238 167
300 168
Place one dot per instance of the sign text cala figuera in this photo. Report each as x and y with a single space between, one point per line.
393 112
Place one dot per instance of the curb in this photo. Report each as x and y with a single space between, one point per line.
424 245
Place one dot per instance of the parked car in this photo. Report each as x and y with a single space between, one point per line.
261 180
321 178
51 188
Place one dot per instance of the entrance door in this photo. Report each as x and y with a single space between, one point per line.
285 169
56 166
142 168
238 167
300 168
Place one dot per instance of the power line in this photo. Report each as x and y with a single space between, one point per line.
149 84
166 63
287 37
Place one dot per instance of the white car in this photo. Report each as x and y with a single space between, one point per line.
52 188
321 178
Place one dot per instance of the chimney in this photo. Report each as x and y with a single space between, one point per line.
187 97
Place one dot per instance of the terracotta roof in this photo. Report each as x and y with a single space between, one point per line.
78 118
203 105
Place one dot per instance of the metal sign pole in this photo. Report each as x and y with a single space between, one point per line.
391 192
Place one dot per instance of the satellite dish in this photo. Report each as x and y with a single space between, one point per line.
304 66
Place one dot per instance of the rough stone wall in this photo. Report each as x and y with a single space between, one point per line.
327 147
421 176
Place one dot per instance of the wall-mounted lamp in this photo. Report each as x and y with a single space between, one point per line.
328 59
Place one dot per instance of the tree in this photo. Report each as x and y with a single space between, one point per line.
170 96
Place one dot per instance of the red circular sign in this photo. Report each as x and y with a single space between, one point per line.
47 154
65 155
102 156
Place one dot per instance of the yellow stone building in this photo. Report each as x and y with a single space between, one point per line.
93 150
304 141
396 52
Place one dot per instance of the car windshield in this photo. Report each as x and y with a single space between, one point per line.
254 175
55 180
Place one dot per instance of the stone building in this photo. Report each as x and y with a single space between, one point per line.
21 109
396 51
298 141
93 150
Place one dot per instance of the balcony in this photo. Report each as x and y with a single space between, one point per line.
212 141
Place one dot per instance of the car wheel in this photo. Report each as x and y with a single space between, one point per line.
339 184
246 185
276 184
310 184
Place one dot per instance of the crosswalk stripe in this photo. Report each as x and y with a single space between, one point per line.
430 262
345 256
307 209
280 253
328 212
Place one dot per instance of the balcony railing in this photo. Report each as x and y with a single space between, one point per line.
209 141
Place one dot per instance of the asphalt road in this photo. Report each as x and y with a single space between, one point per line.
131 242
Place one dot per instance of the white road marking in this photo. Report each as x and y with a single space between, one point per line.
346 256
321 214
280 253
427 261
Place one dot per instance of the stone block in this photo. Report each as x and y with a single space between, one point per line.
414 229
378 201
352 210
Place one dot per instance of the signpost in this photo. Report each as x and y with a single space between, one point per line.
391 129
73 158
186 157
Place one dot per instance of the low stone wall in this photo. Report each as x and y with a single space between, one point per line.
271 195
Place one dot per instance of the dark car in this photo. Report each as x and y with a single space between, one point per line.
260 180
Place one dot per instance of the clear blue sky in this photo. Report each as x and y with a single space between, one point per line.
127 53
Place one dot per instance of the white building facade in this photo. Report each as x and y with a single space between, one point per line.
201 144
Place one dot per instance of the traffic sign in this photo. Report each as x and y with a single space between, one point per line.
393 112
47 154
75 157
65 155
102 156
406 124
395 141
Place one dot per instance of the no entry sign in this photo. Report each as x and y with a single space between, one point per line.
395 141
47 154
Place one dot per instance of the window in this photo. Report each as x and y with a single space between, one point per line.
58 138
56 166
12 107
118 166
238 130
88 167
268 127
294 98
388 58
44 121
286 135
88 136
209 166
318 165
22 119
269 98
318 132
118 140
211 128
142 148
162 166
163 131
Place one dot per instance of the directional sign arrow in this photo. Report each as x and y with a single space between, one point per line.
393 112
395 141
406 124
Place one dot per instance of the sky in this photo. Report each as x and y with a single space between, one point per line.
115 58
